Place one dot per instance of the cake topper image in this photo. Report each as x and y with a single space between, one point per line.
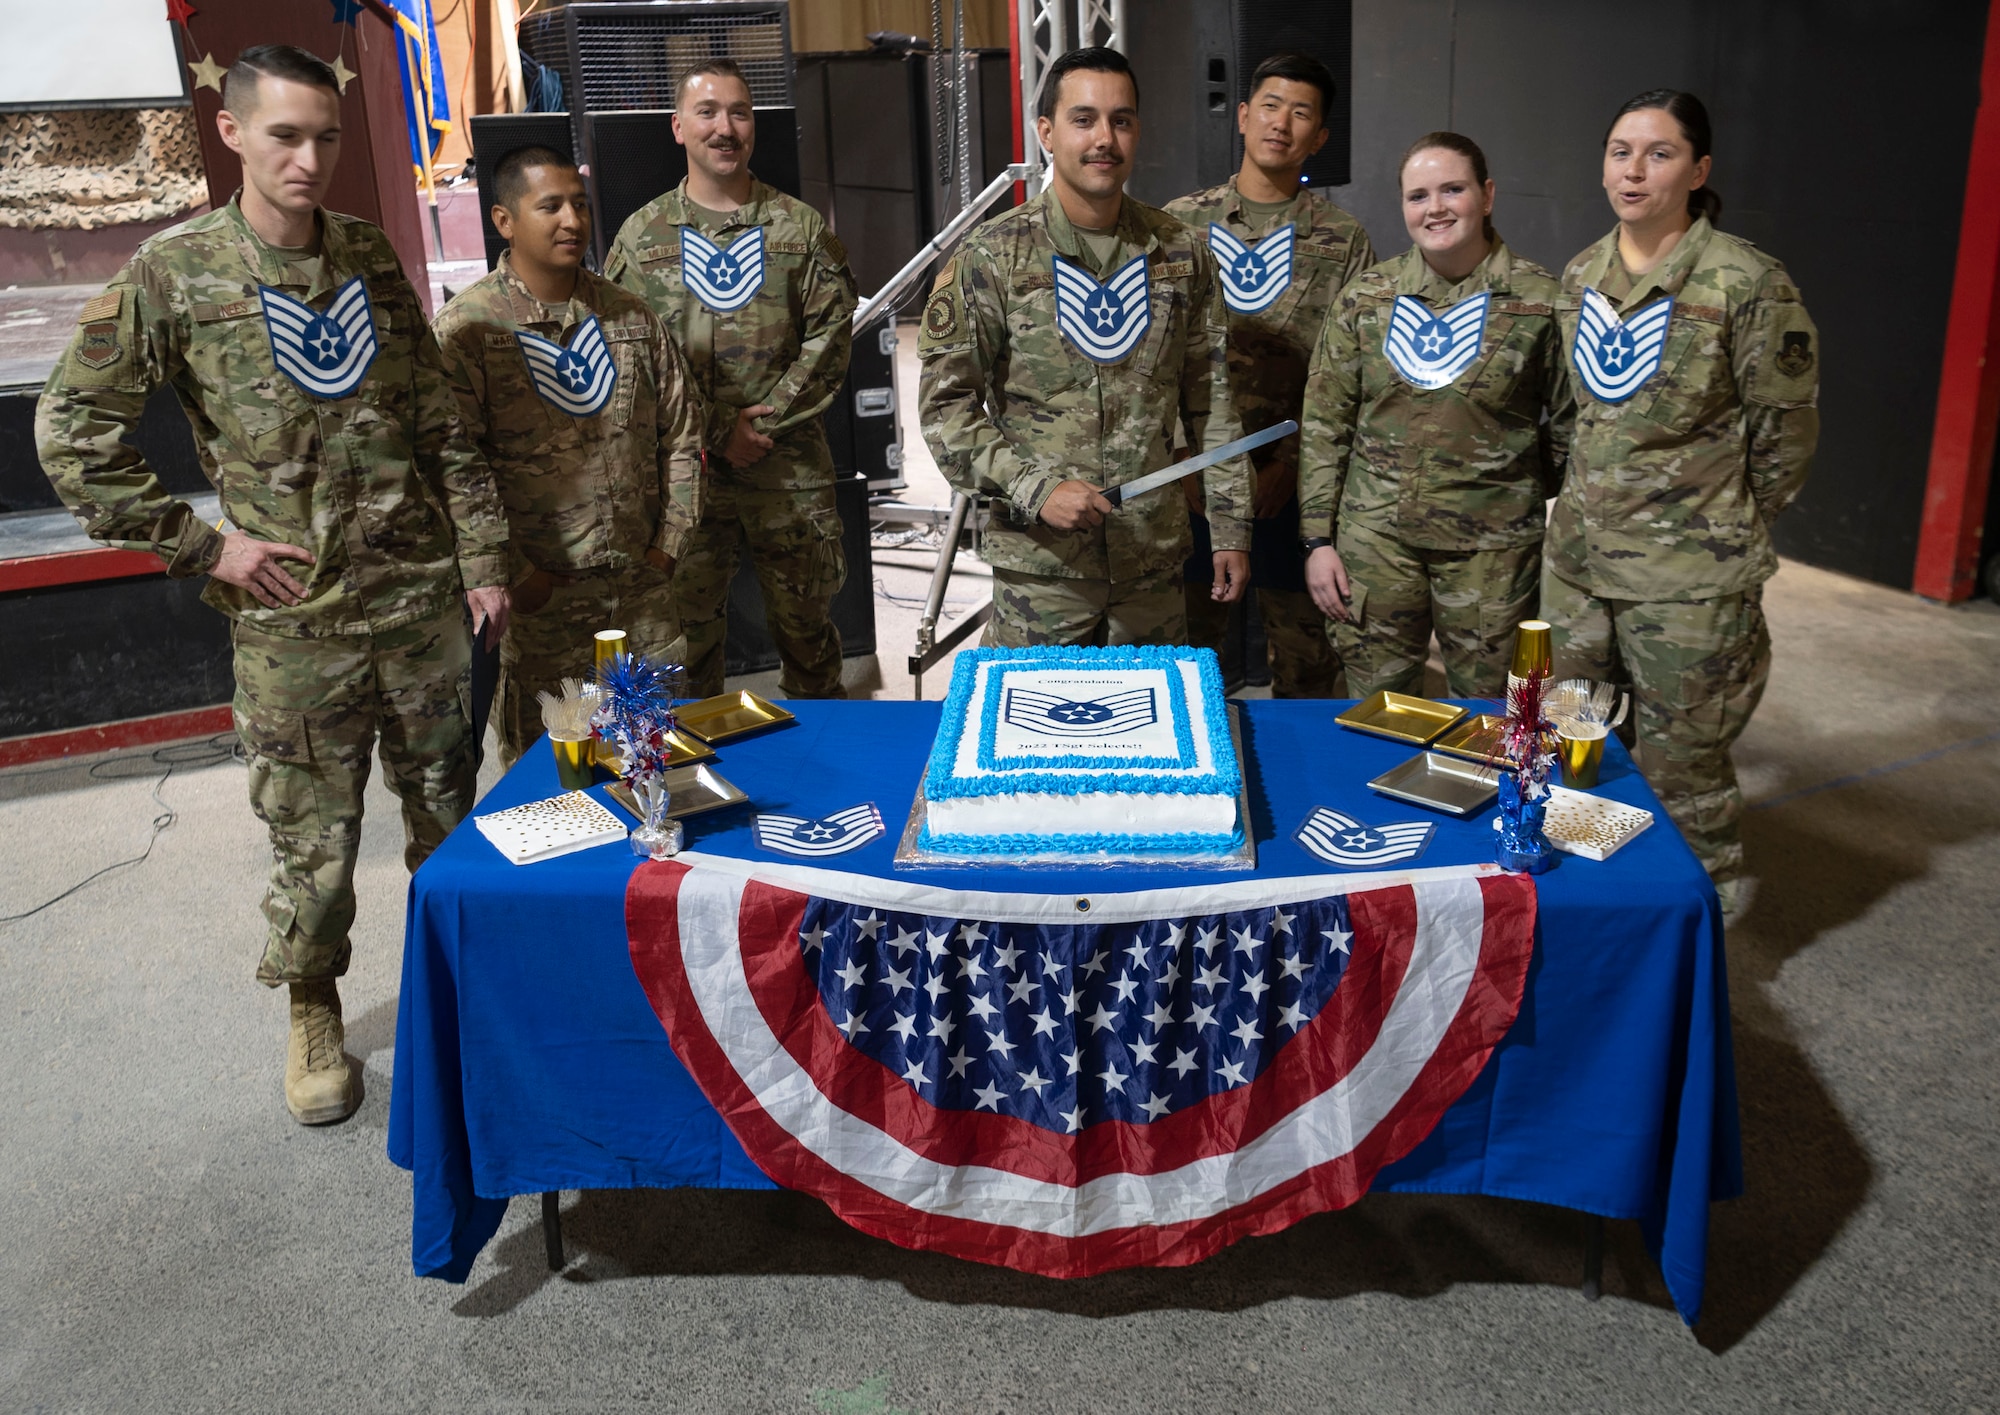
1068 717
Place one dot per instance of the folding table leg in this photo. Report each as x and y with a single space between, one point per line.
552 1229
1593 1257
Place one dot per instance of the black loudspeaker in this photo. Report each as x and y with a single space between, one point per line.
749 647
1194 58
1323 29
634 158
494 135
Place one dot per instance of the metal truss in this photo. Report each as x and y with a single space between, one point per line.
1049 29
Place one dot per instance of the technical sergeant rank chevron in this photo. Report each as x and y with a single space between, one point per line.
325 354
1432 350
577 380
724 280
1253 277
1103 322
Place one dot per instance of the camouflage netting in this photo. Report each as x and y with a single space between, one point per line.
98 167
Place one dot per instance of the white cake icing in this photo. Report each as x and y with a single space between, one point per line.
1083 751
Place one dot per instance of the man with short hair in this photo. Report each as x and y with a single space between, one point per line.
366 526
1062 346
755 290
1283 252
582 407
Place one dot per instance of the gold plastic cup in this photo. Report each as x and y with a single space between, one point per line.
1531 648
607 645
1581 755
573 757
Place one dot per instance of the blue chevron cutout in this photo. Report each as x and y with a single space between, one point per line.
1342 840
325 354
1103 322
578 380
1253 277
833 834
1614 357
1432 349
1064 717
724 280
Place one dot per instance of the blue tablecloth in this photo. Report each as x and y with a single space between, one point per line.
528 1058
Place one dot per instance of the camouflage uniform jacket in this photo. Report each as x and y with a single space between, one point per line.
1670 494
1462 467
381 486
1011 409
582 493
1269 351
787 348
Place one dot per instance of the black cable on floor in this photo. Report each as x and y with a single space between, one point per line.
219 748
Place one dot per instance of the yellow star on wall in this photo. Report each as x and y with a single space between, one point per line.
208 73
341 73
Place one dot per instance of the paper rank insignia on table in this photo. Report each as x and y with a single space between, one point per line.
1103 322
325 354
578 380
724 280
1432 350
1340 839
1099 717
1253 276
809 836
1615 357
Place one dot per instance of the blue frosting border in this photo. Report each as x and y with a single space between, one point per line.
1177 708
1017 845
1226 779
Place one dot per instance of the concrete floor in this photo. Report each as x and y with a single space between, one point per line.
174 1242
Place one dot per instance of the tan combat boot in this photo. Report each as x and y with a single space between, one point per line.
319 1086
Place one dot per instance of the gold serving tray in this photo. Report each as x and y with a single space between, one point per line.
1475 739
691 790
1442 783
1401 717
732 715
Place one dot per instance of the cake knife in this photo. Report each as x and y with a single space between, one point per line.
1174 471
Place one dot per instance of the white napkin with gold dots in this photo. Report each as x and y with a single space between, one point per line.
542 830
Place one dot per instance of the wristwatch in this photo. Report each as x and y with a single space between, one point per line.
1312 543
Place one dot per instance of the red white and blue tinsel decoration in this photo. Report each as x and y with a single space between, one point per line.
1527 751
636 711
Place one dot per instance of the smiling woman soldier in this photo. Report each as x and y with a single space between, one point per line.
1697 385
1425 448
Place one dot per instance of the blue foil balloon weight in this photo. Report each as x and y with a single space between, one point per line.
1522 846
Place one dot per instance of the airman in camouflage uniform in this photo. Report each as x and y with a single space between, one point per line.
587 497
1659 543
1434 495
784 351
1268 355
395 508
1012 409
1269 350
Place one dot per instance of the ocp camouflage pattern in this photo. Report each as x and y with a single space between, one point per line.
1011 410
382 487
582 494
1271 350
1670 495
787 348
1463 467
